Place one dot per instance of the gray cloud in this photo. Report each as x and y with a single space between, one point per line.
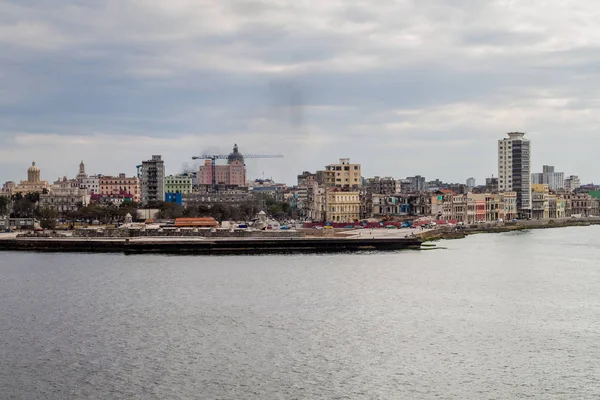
404 87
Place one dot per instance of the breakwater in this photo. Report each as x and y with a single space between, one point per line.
208 246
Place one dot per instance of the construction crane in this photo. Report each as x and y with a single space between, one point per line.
214 157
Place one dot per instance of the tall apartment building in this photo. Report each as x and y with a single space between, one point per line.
153 180
471 182
343 174
514 169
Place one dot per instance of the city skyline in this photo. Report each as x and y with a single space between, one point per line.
315 82
170 170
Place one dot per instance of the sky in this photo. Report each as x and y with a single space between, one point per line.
403 87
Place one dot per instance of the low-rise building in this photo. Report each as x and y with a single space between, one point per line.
342 206
91 183
182 183
540 208
119 185
556 206
579 204
64 195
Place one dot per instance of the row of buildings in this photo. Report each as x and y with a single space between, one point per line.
336 193
150 185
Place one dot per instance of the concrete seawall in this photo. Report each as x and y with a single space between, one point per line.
207 246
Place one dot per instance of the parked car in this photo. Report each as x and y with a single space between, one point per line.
317 227
284 227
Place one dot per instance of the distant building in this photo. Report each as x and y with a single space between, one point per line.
225 194
306 179
514 169
491 185
554 180
571 183
234 173
33 184
471 183
379 185
342 206
343 175
91 184
120 185
540 198
81 175
8 188
537 178
268 187
417 183
65 195
153 180
182 183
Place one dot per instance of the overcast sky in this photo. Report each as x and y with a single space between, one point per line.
404 87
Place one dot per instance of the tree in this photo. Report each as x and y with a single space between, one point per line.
4 205
22 208
47 218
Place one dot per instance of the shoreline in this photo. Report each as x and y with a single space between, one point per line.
445 233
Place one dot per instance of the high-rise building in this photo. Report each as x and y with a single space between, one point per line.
554 180
343 175
153 180
514 169
471 182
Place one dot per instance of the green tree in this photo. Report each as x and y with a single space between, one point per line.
47 218
22 208
5 203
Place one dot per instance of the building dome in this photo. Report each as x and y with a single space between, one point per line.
235 156
33 168
33 173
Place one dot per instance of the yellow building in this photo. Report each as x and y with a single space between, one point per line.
508 206
33 184
343 175
342 206
540 202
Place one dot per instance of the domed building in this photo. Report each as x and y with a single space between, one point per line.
34 183
234 173
235 156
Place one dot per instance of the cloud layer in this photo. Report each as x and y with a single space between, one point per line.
404 87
